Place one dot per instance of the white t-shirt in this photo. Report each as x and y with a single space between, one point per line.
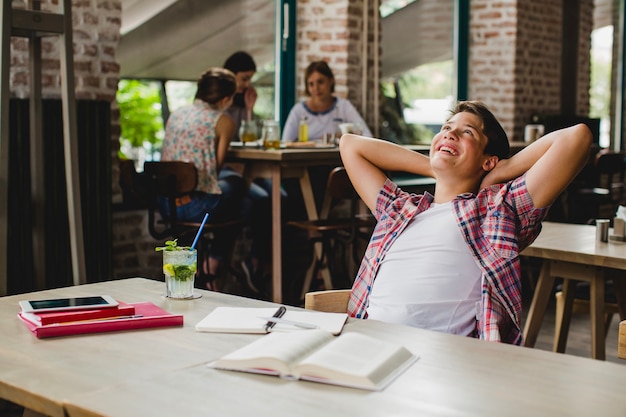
428 278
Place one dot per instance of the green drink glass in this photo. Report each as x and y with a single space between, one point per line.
179 267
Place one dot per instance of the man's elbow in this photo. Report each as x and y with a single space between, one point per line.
580 141
346 143
583 134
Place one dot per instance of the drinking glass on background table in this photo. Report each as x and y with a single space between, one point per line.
350 128
179 267
248 132
271 134
346 128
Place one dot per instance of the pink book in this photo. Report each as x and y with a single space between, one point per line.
146 315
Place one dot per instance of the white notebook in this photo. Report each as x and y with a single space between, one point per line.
253 320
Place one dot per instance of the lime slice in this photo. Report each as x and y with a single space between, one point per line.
168 269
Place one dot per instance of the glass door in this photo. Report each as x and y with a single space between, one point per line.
285 47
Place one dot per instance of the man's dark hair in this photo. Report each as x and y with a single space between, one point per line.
240 61
497 140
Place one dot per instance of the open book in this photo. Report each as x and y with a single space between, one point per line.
253 320
352 359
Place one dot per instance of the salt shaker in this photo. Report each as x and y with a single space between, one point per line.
602 230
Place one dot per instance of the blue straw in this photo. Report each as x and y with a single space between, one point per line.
193 245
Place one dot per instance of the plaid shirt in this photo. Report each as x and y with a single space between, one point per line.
497 225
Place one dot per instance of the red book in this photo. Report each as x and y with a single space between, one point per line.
42 319
147 315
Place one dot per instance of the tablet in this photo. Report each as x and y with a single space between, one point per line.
65 304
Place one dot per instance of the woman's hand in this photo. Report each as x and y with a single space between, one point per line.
249 98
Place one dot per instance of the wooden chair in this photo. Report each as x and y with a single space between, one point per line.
335 234
330 301
580 304
176 180
598 189
621 340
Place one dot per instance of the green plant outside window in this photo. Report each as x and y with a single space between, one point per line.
141 121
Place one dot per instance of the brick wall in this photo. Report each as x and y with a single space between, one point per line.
96 72
584 56
537 61
515 55
491 56
515 59
332 30
133 247
96 35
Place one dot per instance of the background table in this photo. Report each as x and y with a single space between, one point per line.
163 372
277 165
294 163
570 251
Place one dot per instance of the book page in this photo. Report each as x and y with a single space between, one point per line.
277 351
356 360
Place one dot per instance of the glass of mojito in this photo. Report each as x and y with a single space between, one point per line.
179 267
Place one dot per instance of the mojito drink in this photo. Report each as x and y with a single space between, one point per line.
179 267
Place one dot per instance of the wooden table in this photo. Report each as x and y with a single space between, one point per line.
276 165
163 372
570 251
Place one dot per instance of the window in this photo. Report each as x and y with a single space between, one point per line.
600 91
419 82
141 120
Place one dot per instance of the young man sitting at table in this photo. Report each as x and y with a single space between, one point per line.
450 262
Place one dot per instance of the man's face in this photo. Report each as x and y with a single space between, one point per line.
243 80
459 146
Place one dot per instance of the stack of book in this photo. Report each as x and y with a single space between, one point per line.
122 317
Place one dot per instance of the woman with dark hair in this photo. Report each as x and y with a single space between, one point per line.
256 206
322 109
200 133
243 66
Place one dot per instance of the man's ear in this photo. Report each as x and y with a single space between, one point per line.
490 163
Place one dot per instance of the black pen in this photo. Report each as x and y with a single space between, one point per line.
279 313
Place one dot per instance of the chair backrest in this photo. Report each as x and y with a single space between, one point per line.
610 167
183 174
330 301
339 187
171 180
